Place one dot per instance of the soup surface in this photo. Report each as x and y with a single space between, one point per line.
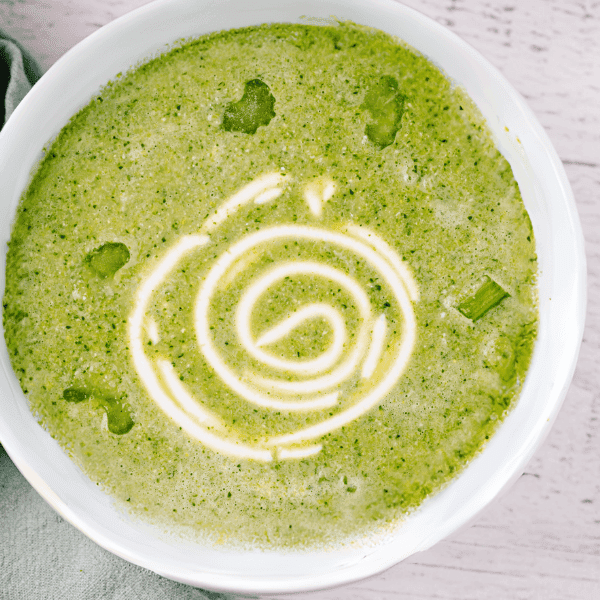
274 287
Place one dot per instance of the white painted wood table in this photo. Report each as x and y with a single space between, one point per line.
542 539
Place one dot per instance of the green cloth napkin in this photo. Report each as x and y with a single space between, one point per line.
42 557
18 72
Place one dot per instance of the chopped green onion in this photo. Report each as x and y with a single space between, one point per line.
488 295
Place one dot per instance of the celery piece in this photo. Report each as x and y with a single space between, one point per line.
119 420
524 346
501 358
488 295
118 416
253 110
108 258
76 394
386 105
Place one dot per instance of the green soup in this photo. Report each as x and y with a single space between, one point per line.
274 287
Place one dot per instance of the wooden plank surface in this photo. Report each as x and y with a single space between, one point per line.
542 539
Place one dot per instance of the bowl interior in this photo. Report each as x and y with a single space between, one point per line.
70 84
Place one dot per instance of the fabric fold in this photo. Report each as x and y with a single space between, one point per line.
18 73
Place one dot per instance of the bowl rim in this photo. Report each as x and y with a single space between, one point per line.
352 572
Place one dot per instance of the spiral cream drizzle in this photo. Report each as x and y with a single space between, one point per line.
316 383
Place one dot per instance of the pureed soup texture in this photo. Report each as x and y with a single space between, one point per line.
275 287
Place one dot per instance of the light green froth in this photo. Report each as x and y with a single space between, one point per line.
147 163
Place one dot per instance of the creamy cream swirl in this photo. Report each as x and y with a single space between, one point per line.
375 356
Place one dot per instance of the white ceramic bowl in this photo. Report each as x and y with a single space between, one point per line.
70 84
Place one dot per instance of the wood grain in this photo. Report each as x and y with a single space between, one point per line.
542 539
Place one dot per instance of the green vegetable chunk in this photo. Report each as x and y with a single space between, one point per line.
119 418
524 346
253 110
108 258
511 358
488 295
501 358
75 394
386 105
